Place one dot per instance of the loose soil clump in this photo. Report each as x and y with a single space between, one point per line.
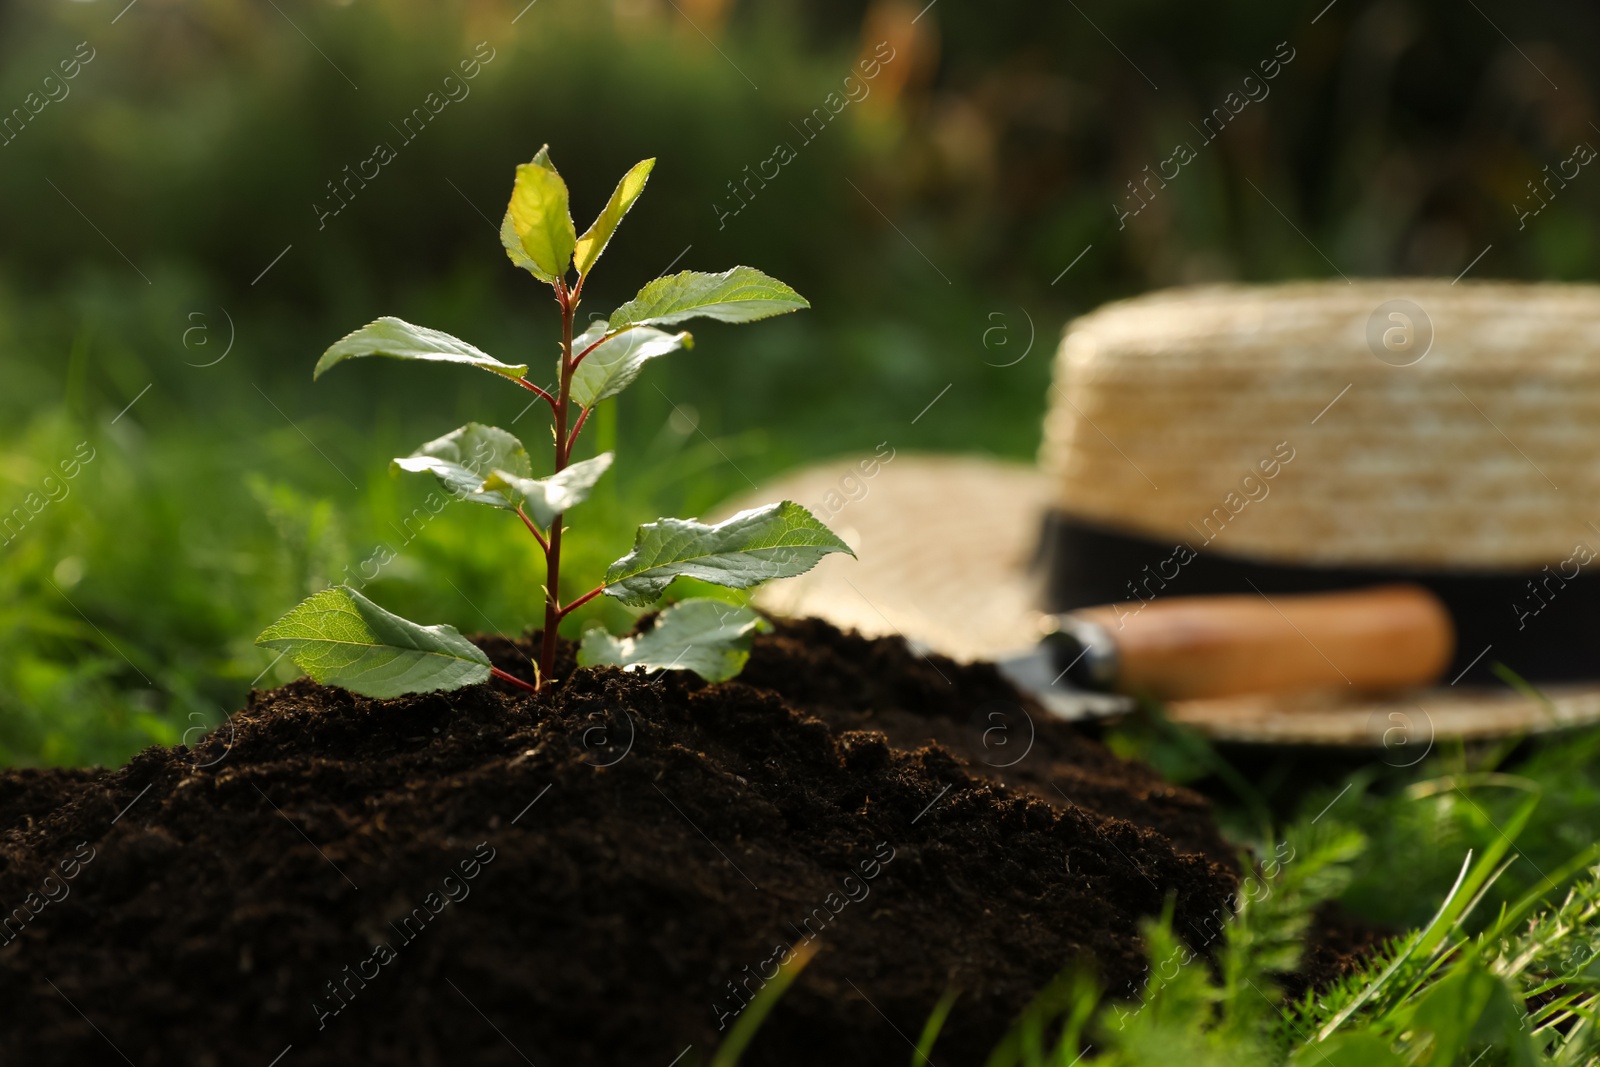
602 873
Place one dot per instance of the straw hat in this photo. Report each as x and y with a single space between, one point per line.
1295 438
1432 424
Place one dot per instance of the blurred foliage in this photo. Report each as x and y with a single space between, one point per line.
1421 813
161 246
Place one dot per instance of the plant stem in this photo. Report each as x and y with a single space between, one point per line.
584 599
580 357
577 428
563 399
513 679
534 388
537 536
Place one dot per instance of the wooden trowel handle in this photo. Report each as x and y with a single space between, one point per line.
1186 647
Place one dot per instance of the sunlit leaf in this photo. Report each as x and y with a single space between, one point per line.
399 339
597 236
542 499
755 546
616 362
742 294
339 637
710 637
463 458
538 223
513 247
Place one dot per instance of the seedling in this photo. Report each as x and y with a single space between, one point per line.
339 637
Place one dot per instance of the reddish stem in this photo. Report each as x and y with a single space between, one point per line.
584 599
552 603
579 358
513 679
577 428
534 388
537 536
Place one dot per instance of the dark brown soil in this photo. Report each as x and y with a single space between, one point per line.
593 875
1338 945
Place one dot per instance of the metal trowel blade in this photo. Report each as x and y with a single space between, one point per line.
1037 673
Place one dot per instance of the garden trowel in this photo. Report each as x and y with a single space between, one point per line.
1094 662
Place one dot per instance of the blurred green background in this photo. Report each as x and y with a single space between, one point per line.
161 247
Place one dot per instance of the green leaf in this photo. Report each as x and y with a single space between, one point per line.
742 294
617 361
597 236
1471 1006
339 637
710 637
775 541
537 230
513 247
399 339
462 459
545 498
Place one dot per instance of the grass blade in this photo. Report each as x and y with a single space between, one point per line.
755 1014
1439 920
930 1029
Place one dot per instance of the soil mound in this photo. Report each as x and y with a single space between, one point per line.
602 873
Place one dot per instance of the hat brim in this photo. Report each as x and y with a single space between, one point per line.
1409 721
946 546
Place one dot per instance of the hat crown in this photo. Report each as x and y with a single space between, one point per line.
1396 423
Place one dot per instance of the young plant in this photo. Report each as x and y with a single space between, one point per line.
339 637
